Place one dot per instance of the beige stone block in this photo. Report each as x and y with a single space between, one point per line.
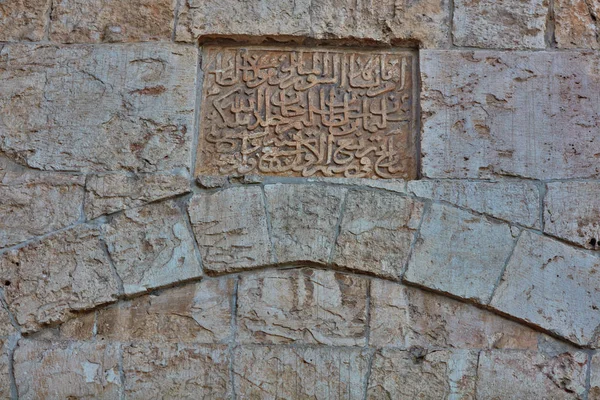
194 313
6 327
281 372
594 393
45 281
98 107
491 113
302 306
82 327
398 374
303 219
174 371
459 253
67 370
106 194
82 21
376 233
231 229
530 375
23 20
554 286
35 203
151 246
576 24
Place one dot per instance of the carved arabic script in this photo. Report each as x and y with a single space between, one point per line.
308 113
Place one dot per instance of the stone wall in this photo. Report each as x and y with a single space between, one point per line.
133 267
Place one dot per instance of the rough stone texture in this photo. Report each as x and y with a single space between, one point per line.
572 212
376 232
594 393
35 203
576 24
6 327
98 108
304 219
151 246
511 24
505 113
75 370
82 21
23 20
398 374
231 229
45 281
459 253
106 194
280 372
530 375
194 313
308 306
173 371
513 201
408 317
552 285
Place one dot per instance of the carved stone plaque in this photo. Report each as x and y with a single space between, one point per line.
308 112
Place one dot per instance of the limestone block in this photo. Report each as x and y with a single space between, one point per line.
554 286
4 370
78 370
459 253
106 194
376 232
23 20
98 107
45 281
398 374
281 372
81 21
408 317
304 219
174 371
35 203
576 24
302 306
572 212
512 24
490 113
194 313
6 327
82 327
594 393
390 185
231 229
530 375
514 201
151 246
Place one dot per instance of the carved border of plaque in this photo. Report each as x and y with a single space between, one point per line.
330 112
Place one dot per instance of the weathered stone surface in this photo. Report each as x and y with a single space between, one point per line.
408 317
376 232
23 20
35 203
398 374
594 393
231 229
511 24
281 372
576 24
459 253
80 328
4 370
194 313
98 108
305 305
61 370
6 327
530 375
513 201
151 246
176 371
106 194
505 113
572 212
391 185
45 281
554 286
81 21
303 219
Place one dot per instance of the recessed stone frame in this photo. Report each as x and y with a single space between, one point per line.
309 111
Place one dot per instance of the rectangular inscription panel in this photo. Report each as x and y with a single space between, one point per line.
308 112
